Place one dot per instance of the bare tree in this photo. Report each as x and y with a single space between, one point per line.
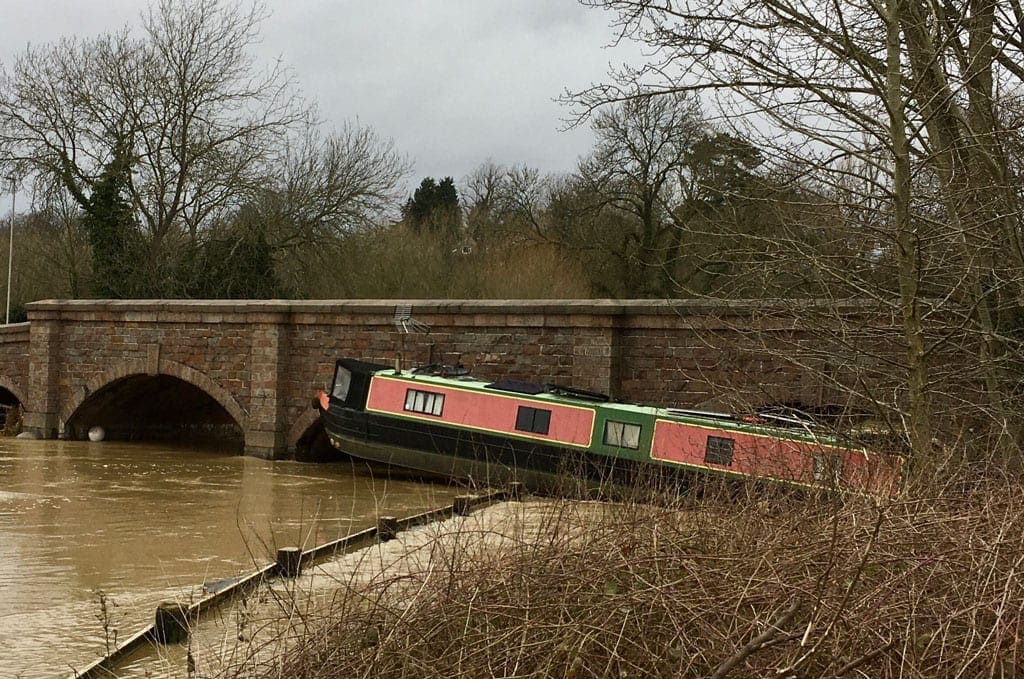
507 204
904 91
331 186
205 133
643 147
196 116
669 196
61 247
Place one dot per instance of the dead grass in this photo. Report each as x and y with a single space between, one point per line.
744 586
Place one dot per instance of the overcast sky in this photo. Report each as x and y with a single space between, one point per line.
452 82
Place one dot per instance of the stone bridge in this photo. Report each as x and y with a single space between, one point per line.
246 371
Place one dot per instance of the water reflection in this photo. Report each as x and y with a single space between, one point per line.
139 523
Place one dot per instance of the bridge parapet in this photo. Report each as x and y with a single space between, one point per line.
262 360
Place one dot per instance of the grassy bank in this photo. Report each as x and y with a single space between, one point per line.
721 585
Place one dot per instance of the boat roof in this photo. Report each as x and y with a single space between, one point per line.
364 367
541 393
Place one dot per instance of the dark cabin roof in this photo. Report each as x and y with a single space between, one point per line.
362 367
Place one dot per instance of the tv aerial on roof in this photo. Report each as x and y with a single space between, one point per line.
405 323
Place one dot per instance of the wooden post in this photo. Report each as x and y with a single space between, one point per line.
387 528
289 562
463 505
171 623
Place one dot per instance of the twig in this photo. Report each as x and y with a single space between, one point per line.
866 658
754 644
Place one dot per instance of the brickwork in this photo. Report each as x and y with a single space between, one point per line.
262 361
14 344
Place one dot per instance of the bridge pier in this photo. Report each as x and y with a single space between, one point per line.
266 445
42 410
265 437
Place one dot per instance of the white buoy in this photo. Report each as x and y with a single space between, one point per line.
97 434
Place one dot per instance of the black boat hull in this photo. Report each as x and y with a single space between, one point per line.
483 459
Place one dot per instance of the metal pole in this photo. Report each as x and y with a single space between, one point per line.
10 256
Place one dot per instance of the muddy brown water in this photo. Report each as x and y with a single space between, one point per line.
94 535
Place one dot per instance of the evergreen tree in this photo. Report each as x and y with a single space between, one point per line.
112 231
434 207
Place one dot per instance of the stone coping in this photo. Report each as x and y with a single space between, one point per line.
55 308
18 330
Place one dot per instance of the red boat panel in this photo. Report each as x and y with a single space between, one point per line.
569 425
763 456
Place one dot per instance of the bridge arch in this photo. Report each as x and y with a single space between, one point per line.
308 441
193 400
12 399
12 386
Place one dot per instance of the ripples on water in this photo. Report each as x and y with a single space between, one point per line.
142 523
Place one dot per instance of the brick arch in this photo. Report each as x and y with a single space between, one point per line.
13 387
141 367
301 425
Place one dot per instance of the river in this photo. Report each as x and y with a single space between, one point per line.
94 535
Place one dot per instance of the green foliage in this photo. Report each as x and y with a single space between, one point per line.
113 232
434 207
723 164
18 313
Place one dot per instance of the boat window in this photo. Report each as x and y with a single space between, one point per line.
719 450
828 469
342 381
533 420
622 434
426 402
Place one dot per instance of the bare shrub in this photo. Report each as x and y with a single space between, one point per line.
730 583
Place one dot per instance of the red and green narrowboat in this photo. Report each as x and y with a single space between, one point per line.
444 422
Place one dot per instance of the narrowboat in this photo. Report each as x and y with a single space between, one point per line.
443 421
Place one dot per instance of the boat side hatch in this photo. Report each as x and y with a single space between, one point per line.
533 420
